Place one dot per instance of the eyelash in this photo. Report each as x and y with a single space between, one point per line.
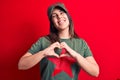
56 14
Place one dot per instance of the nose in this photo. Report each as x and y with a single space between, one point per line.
59 16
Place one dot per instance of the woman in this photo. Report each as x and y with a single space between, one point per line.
62 53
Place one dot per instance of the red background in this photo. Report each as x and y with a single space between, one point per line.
22 22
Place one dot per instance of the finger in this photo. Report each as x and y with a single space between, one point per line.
57 44
62 44
56 55
65 55
54 45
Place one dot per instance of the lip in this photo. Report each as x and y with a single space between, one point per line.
61 21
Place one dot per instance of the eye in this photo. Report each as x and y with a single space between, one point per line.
61 12
54 15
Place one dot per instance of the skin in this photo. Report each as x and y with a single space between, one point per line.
61 23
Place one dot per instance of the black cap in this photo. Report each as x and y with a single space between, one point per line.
56 5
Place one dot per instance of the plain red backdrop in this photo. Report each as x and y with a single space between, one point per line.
22 22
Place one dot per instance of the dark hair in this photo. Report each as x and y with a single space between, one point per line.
53 36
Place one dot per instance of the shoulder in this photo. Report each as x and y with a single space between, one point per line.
81 40
43 39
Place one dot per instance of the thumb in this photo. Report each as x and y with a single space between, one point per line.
56 55
65 55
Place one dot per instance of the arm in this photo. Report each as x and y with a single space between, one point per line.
88 64
28 60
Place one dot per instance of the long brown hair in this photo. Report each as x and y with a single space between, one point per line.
54 36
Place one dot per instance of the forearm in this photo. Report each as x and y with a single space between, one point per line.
87 64
89 67
27 62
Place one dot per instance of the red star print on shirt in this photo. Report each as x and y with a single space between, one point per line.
62 64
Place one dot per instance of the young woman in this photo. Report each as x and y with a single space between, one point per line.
61 54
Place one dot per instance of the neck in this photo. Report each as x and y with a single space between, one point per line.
64 34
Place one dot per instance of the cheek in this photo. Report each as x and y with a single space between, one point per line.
54 21
67 19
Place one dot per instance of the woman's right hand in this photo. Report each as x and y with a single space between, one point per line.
50 50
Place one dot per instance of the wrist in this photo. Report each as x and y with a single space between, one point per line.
43 52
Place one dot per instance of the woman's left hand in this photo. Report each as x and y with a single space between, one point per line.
65 46
69 50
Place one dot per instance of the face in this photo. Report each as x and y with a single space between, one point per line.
60 19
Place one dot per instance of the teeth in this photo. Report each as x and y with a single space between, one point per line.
60 22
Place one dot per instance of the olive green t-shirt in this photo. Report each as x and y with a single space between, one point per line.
52 68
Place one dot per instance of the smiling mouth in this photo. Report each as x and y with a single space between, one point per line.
61 22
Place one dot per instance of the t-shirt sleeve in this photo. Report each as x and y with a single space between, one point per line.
87 51
36 47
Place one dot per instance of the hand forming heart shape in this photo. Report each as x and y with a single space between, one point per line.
50 50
